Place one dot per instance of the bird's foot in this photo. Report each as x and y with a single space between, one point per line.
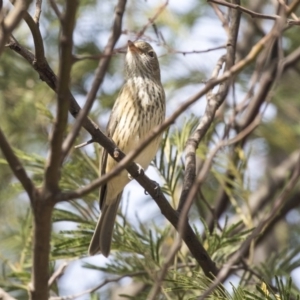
140 172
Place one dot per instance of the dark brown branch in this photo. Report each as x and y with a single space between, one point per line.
43 206
37 38
33 25
42 216
16 166
63 103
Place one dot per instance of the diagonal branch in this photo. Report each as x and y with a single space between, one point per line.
240 8
16 166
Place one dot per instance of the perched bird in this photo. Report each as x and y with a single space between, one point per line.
139 107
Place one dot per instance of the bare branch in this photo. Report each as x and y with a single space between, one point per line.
99 286
16 166
11 21
245 10
37 38
197 51
55 158
55 8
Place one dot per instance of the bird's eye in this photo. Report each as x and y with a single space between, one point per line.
151 53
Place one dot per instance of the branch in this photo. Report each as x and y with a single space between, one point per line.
105 282
11 21
37 38
16 166
151 20
33 25
54 161
245 10
197 51
55 8
43 206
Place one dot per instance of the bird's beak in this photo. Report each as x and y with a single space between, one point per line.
133 48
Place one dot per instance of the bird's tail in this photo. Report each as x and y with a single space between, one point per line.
101 240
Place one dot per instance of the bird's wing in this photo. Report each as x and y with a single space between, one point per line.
110 129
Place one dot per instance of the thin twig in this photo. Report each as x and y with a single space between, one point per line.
198 51
245 10
99 286
55 9
84 144
151 20
58 273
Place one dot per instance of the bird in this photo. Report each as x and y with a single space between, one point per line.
139 107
